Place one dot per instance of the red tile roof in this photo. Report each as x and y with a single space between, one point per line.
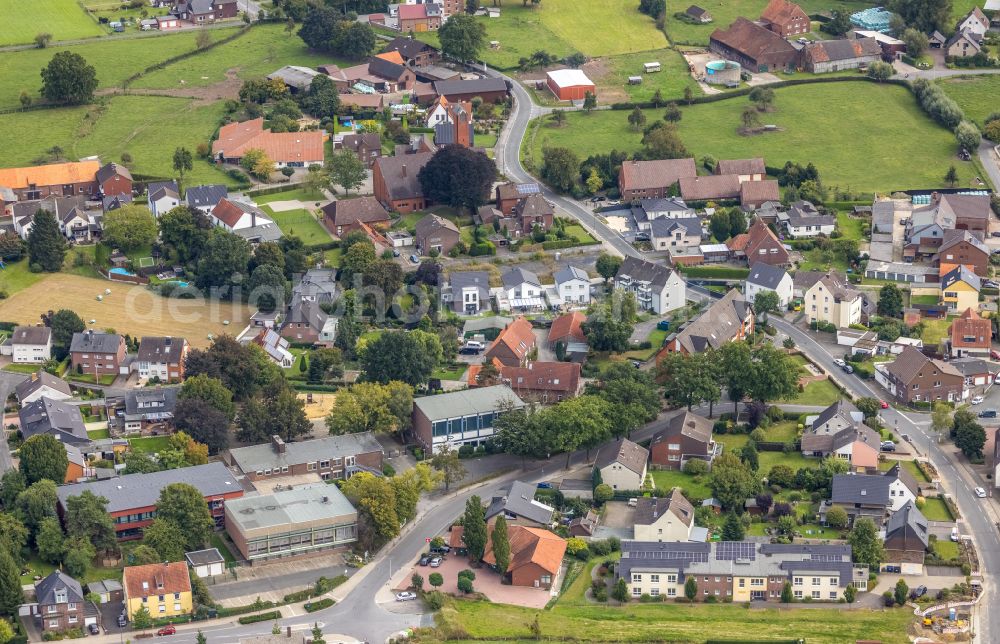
782 12
568 327
645 175
559 377
227 212
235 139
53 174
412 11
760 236
516 336
753 192
530 545
971 325
711 187
160 579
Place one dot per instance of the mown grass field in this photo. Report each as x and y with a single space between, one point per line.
128 309
64 19
147 127
258 52
561 27
671 81
114 60
978 96
859 135
724 13
299 223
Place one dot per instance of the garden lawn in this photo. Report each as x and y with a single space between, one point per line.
149 444
299 194
934 331
22 368
115 60
946 549
15 276
260 51
924 299
724 13
766 460
671 81
299 223
218 542
937 510
872 117
819 392
449 372
669 479
655 338
146 127
673 622
63 19
578 231
850 227
909 466
976 95
97 434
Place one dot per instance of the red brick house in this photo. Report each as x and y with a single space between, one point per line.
60 179
535 556
367 146
510 194
329 457
61 603
686 436
785 18
568 328
762 245
114 179
963 248
533 211
970 335
652 179
345 215
204 11
93 353
542 382
513 345
417 18
396 184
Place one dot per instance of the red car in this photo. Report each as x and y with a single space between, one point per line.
884 404
167 630
995 354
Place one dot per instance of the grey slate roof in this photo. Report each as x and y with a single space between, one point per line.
474 86
467 402
205 197
643 271
463 279
664 227
408 48
60 419
318 283
300 78
765 275
260 233
521 501
718 324
961 273
154 186
687 424
31 335
306 312
46 589
624 452
95 342
400 174
648 510
143 490
204 557
570 273
517 276
866 489
109 170
41 379
151 403
909 525
160 350
259 457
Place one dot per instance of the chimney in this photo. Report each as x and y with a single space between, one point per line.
278 444
935 196
403 170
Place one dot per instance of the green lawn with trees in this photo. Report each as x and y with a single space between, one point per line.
872 117
976 95
61 19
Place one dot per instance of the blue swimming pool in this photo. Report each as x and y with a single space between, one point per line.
121 271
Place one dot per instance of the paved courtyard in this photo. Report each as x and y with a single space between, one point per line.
487 582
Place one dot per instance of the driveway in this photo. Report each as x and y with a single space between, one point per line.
642 329
487 582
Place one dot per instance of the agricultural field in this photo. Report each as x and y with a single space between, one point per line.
562 27
114 60
874 118
64 19
138 125
258 52
724 13
128 309
611 77
976 95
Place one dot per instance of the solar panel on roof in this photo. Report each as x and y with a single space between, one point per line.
731 550
527 188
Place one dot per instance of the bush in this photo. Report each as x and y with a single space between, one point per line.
467 573
695 467
312 607
260 617
434 600
603 493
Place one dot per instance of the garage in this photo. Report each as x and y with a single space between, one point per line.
569 84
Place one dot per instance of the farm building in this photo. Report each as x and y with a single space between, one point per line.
569 84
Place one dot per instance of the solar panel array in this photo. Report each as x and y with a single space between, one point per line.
679 555
732 550
527 188
826 557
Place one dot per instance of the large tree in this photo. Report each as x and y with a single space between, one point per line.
924 15
14 533
764 303
474 528
607 265
279 412
243 369
202 422
866 547
223 261
397 356
267 289
36 503
970 438
560 168
184 505
731 482
64 324
69 79
11 594
328 30
130 227
890 301
322 100
87 518
462 37
458 176
166 538
202 387
50 542
43 457
448 463
688 380
662 141
371 407
375 499
347 170
185 231
46 245
500 543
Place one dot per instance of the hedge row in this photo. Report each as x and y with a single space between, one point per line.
260 617
565 243
312 607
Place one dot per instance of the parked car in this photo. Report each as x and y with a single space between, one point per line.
988 413
414 259
633 502
405 596
122 622
469 351
642 237
441 550
883 404
917 592
545 485
848 368
840 363
888 446
981 493
424 561
954 534
169 629
395 252
995 355
977 400
436 562
474 344
94 629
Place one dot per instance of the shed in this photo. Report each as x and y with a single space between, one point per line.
569 84
651 67
635 80
107 590
206 563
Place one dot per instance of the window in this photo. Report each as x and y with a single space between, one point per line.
743 583
815 594
636 579
654 579
816 581
53 623
797 581
177 607
177 596
71 606
673 446
798 594
324 464
163 608
671 579
311 467
671 592
637 592
833 594
655 592
834 581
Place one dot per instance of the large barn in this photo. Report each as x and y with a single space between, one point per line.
569 84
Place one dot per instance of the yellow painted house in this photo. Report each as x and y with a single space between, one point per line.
960 289
164 589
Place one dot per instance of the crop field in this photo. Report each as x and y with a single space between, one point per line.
114 60
883 125
128 309
724 13
978 96
147 127
64 19
258 52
